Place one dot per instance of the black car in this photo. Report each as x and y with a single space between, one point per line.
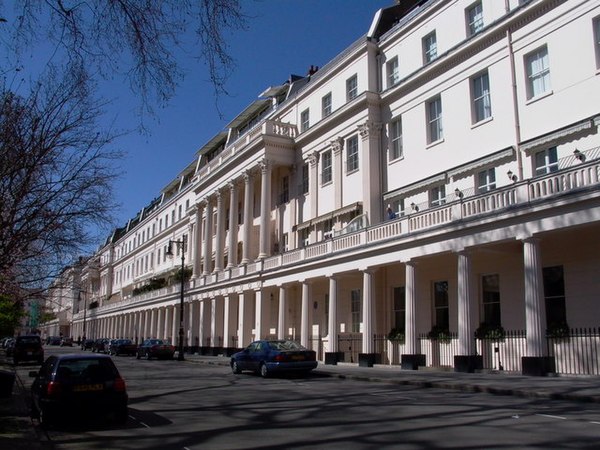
99 345
27 348
122 347
274 356
87 344
155 348
78 386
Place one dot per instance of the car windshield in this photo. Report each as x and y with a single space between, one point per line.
86 369
285 345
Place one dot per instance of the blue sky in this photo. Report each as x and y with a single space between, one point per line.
282 37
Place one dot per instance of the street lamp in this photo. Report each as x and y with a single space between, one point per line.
180 244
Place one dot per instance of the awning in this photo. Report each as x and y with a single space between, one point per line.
418 186
505 155
330 215
570 133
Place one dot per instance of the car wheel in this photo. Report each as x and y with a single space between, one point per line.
235 368
264 372
15 361
33 411
138 356
40 360
148 356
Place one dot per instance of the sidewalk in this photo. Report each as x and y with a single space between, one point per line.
17 431
572 388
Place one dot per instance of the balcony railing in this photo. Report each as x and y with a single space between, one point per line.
577 178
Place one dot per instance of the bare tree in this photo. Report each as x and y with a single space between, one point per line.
134 38
56 180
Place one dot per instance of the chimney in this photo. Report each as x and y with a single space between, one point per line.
312 70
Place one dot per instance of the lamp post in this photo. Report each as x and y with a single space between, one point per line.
180 244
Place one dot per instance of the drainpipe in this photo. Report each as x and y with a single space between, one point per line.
513 77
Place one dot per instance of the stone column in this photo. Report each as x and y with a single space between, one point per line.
282 316
260 326
313 188
232 254
197 242
367 357
265 209
305 315
535 362
219 240
244 321
160 326
369 163
333 355
189 326
248 216
226 324
208 237
166 332
337 145
467 359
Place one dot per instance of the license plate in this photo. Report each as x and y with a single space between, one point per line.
298 357
29 353
88 387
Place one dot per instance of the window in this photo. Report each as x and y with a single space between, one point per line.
429 48
474 15
180 208
554 294
305 185
490 286
486 180
538 72
352 149
326 174
434 120
396 139
351 88
399 308
355 301
597 40
304 120
546 161
440 304
326 105
393 72
481 102
437 195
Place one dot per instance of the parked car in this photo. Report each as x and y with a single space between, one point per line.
122 347
53 340
78 385
87 344
155 348
27 348
66 342
99 345
270 356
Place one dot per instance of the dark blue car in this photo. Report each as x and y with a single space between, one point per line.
274 356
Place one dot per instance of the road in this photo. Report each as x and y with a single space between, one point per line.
185 405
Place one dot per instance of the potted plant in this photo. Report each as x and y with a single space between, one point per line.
396 335
440 334
493 332
558 330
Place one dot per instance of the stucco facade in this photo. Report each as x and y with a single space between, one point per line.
476 122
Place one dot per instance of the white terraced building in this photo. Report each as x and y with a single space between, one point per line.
475 121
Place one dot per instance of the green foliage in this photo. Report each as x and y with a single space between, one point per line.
491 332
152 285
10 314
558 330
187 273
47 316
439 334
397 335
